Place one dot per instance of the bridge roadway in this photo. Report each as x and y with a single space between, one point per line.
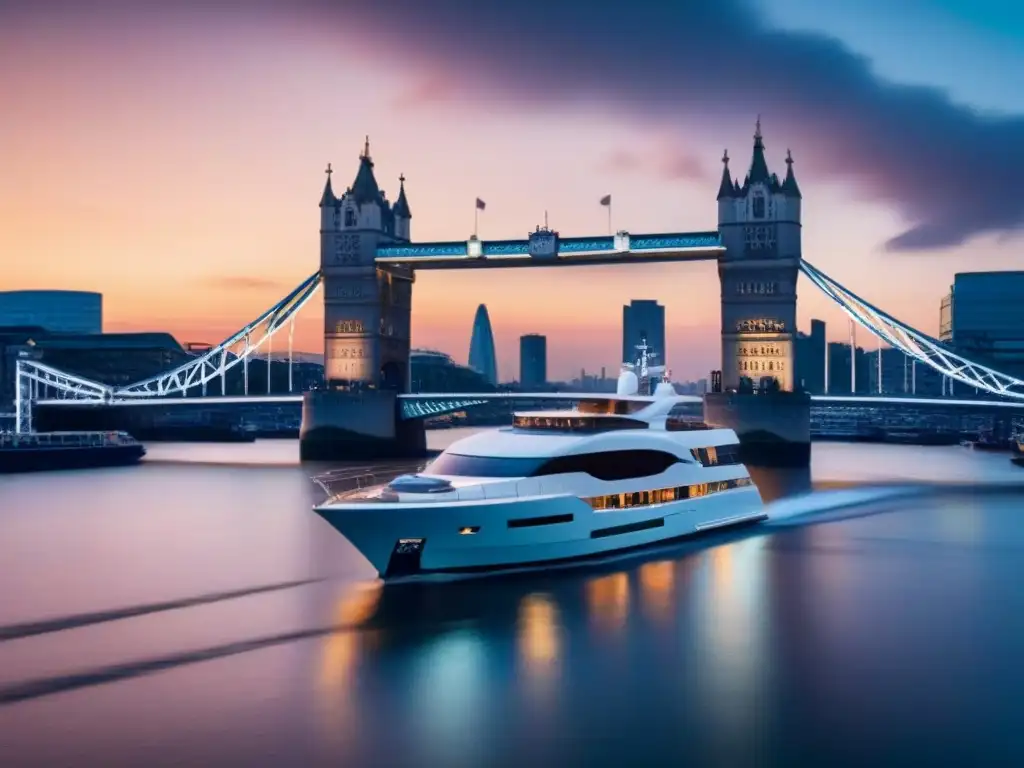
419 406
546 249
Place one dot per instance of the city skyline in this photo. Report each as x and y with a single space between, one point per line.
190 201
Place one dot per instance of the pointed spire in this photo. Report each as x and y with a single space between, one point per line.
725 189
789 186
402 204
328 198
758 165
365 189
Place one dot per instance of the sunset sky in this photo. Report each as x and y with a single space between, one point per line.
171 155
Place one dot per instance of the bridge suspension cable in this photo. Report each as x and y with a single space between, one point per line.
235 349
33 377
913 343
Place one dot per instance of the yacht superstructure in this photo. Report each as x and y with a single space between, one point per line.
555 487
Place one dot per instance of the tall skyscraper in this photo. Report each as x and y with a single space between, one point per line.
533 360
482 357
643 318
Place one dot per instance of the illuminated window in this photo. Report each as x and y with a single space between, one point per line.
348 326
718 456
664 495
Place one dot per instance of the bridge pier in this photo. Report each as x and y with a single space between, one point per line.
774 428
358 426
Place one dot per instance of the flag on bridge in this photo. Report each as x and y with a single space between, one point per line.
481 205
606 200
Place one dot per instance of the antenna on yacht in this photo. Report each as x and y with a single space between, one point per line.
643 365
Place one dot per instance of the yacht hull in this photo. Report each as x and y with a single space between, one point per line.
410 541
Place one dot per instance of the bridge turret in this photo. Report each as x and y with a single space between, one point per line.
759 225
367 309
403 215
727 194
329 214
790 192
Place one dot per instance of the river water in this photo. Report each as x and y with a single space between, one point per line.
194 611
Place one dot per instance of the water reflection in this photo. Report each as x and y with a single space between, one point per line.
340 657
657 590
732 616
963 523
538 635
539 649
448 701
608 601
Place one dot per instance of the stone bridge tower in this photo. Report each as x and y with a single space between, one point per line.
367 309
759 224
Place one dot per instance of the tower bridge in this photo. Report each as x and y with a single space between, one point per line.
368 265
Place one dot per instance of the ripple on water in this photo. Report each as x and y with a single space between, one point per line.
892 610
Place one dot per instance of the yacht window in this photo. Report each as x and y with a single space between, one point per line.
606 465
684 424
664 495
612 465
483 466
718 456
576 423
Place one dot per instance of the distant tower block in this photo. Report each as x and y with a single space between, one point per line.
482 355
367 309
759 224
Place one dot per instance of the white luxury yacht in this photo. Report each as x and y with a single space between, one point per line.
616 474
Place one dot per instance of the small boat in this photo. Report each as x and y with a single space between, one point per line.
40 451
554 488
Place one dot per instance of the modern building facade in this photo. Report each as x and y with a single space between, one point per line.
533 360
54 311
643 319
982 318
810 359
434 371
482 356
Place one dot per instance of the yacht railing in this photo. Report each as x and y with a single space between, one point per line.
349 482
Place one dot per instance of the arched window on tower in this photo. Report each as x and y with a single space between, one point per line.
758 207
350 217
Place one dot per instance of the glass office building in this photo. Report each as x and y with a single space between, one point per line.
643 318
533 360
482 356
54 311
982 318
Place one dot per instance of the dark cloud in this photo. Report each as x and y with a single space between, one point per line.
672 164
426 92
679 165
949 171
622 161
